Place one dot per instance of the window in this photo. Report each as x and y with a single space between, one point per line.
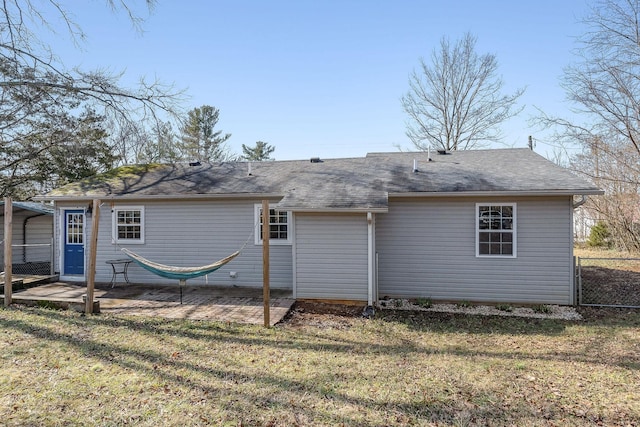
75 226
279 226
128 225
496 230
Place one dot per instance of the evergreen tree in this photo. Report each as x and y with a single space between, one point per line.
199 140
261 152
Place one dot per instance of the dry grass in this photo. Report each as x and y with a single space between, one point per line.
401 368
608 258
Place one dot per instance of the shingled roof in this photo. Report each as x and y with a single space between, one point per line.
363 183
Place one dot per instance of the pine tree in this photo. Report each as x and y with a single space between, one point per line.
199 140
261 152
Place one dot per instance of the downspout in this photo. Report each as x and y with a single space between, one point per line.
575 205
580 202
370 259
24 235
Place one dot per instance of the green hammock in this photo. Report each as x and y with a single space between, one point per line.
178 273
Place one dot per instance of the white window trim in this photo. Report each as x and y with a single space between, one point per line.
515 229
61 227
114 225
258 236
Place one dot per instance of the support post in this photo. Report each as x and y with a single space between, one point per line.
93 246
8 253
370 259
265 262
181 283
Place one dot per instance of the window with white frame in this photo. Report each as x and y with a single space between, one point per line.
128 224
496 230
279 226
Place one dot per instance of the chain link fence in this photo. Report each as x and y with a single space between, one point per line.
31 259
608 282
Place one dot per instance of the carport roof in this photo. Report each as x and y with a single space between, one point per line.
36 207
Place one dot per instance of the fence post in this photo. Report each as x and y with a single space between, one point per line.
8 254
579 281
51 258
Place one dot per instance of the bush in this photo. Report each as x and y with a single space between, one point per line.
600 236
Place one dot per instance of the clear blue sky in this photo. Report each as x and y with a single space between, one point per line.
325 78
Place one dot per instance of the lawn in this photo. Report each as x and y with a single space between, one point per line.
400 368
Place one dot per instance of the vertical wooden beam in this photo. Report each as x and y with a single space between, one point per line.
8 252
93 245
265 262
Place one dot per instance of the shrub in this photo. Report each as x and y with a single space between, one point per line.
545 309
504 307
424 302
600 236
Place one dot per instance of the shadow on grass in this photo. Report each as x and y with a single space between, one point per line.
202 377
224 379
442 322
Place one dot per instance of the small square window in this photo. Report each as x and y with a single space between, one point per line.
279 230
128 225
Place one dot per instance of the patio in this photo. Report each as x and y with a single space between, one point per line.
225 304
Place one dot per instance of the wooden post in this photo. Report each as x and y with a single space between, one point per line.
93 245
8 252
265 262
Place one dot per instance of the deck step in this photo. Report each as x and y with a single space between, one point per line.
76 304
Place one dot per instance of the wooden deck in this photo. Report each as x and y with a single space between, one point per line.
227 304
21 281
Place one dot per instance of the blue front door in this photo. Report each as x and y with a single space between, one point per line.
74 242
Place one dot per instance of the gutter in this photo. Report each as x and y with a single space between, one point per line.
536 193
580 202
135 197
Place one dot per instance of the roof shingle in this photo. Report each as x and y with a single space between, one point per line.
350 183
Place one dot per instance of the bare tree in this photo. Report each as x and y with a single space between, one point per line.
604 88
37 89
455 103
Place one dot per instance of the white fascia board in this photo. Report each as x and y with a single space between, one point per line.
235 196
499 193
333 210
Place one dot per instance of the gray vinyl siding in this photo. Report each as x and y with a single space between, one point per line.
331 256
194 233
427 248
38 229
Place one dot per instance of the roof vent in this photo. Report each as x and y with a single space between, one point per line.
194 163
415 166
443 152
249 171
315 160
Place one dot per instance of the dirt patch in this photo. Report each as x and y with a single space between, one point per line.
609 286
323 315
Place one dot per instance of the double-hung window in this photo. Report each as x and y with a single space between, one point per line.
496 230
279 226
128 225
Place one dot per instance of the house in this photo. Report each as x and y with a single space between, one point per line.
32 237
482 226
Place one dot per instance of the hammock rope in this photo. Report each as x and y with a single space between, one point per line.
182 273
179 273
